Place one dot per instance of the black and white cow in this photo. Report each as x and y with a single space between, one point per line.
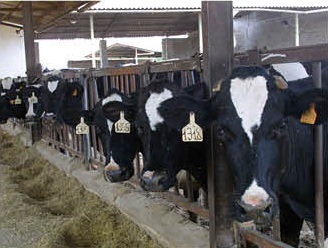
165 153
11 101
120 149
55 99
12 106
69 106
268 143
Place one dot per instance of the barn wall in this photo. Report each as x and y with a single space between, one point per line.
182 48
12 62
277 30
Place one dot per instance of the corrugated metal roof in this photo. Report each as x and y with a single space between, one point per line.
185 4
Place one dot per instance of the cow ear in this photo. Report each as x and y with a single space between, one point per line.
176 111
310 107
112 111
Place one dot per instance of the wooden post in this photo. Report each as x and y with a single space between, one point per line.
29 41
218 63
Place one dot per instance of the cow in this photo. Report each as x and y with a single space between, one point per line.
267 132
164 152
11 106
120 149
56 99
69 106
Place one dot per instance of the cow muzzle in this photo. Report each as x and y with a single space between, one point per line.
116 174
157 182
261 213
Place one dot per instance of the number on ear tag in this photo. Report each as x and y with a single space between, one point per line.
33 99
309 116
192 132
122 125
18 100
82 128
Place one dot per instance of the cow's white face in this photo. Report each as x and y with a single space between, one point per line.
52 85
7 83
249 97
111 98
151 107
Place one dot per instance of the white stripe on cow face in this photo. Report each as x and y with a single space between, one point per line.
151 107
7 83
249 97
255 195
52 85
111 98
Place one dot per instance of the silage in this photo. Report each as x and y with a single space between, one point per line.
73 217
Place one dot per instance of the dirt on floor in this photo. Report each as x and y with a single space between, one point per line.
40 206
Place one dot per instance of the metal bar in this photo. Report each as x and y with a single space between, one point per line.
85 104
92 37
318 160
218 63
262 240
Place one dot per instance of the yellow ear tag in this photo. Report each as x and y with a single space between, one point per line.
309 116
82 128
74 92
18 100
192 132
33 99
122 125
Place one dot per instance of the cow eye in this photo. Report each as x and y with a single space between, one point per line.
222 134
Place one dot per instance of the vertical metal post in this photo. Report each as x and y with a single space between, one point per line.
218 63
29 41
318 160
103 54
92 36
297 30
85 106
200 32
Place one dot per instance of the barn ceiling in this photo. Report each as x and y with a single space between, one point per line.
45 13
124 23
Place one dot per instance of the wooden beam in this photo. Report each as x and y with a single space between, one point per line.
29 41
262 240
293 54
218 62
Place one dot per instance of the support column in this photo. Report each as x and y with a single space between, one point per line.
217 22
29 41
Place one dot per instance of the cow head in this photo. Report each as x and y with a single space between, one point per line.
164 152
12 105
120 143
257 122
69 107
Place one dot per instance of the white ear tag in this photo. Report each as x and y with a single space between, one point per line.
33 99
192 132
18 100
82 128
122 125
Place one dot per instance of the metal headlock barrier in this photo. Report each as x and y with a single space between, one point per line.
127 80
97 82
